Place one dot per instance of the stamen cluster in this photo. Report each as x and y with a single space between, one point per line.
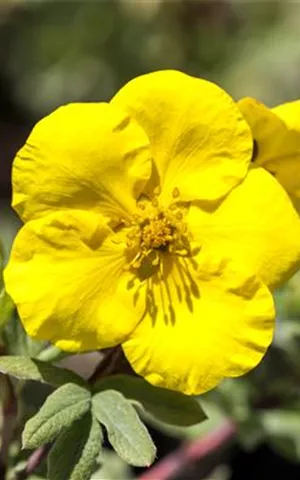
157 230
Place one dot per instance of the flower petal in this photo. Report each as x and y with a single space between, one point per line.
255 223
199 140
67 279
277 136
209 323
82 156
289 113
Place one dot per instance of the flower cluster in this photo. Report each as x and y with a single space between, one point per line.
152 222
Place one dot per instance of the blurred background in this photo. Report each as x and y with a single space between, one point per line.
54 52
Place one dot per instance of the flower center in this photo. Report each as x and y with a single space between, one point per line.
156 233
157 230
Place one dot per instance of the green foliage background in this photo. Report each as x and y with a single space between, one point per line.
53 52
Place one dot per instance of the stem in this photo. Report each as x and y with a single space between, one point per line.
9 410
194 452
114 362
33 462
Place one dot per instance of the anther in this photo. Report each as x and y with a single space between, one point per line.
173 206
137 264
137 218
176 193
155 261
154 202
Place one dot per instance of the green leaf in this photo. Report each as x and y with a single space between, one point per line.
28 368
60 410
74 454
233 396
282 429
17 342
6 308
112 467
250 432
126 433
165 405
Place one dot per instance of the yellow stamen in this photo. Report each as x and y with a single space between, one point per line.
176 193
156 231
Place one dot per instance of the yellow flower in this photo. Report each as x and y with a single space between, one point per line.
276 132
144 227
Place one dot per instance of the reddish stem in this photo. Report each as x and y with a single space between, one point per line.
194 451
9 412
33 462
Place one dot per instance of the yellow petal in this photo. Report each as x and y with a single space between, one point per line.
66 277
205 324
289 112
84 156
278 140
256 224
199 140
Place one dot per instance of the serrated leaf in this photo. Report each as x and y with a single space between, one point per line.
126 433
67 404
165 405
28 368
74 454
